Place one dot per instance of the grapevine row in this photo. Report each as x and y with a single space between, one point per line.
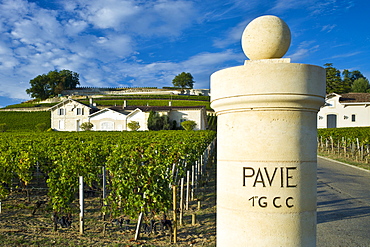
139 165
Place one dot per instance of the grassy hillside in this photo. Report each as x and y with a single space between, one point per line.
24 121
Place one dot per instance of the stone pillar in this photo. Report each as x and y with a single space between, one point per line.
266 156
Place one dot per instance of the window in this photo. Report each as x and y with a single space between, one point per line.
61 111
353 118
80 111
107 126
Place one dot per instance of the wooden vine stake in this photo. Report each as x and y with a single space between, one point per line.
104 191
81 189
181 201
187 189
139 221
174 214
192 182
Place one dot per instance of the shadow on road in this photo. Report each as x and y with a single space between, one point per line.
334 207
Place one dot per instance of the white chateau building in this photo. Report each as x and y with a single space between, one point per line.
70 114
346 110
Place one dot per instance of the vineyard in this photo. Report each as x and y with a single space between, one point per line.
350 145
24 121
128 173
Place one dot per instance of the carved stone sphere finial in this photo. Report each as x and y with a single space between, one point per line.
266 37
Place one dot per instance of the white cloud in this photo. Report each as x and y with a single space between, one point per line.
201 66
350 54
315 7
284 5
304 49
328 28
166 17
74 27
233 35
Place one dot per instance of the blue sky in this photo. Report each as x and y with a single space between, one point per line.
123 43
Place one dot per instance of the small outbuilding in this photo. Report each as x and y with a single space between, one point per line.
345 110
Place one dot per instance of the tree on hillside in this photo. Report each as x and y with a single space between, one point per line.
49 85
361 85
183 80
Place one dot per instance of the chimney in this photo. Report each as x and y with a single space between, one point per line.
169 103
124 104
91 102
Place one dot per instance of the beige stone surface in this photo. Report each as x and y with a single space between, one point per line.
266 177
266 37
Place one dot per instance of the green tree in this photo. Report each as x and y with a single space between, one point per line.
334 82
49 85
183 80
349 77
361 85
188 125
133 125
166 123
155 122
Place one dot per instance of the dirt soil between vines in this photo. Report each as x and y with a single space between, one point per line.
19 227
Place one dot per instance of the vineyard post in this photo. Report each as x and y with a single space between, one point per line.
174 214
332 144
345 146
181 201
192 182
338 147
138 226
187 189
358 150
196 174
200 167
104 191
267 142
81 193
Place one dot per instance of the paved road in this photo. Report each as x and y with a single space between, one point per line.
343 205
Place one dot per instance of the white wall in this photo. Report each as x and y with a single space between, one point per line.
70 120
108 120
